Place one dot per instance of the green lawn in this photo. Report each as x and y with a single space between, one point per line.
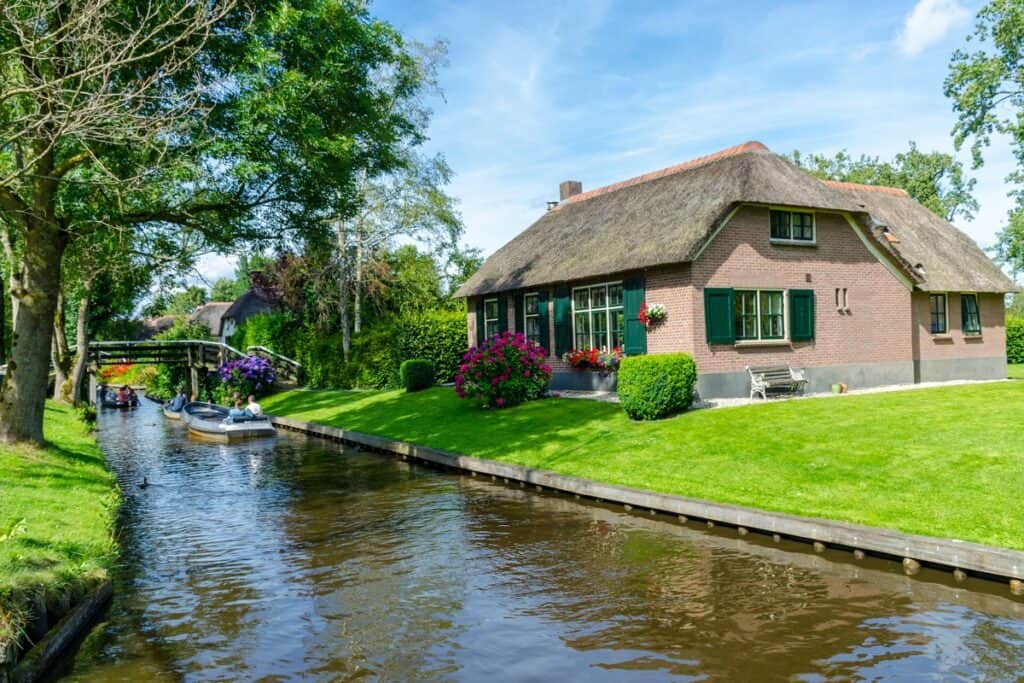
945 461
57 506
1016 371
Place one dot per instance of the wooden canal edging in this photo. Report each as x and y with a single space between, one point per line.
963 558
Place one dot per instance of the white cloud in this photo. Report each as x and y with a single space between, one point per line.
929 22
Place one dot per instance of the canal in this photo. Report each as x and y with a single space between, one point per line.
296 559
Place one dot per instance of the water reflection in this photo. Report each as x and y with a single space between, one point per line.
291 559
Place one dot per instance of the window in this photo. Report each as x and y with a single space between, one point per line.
971 316
492 317
598 319
792 226
938 309
758 314
531 317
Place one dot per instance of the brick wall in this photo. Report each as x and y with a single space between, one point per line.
877 327
955 344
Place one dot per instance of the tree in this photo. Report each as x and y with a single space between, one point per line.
226 289
1009 247
187 300
185 121
934 179
986 85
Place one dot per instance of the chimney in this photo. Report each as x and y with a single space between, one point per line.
568 188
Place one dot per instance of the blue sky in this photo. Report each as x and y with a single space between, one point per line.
540 92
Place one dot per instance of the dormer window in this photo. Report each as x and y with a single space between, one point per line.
792 227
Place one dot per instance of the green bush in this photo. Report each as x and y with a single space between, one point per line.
1014 340
416 374
653 387
440 337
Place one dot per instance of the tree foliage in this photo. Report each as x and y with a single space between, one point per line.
986 84
187 123
935 179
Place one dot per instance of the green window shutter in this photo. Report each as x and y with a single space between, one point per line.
563 321
479 321
635 342
519 313
718 311
503 312
542 318
801 314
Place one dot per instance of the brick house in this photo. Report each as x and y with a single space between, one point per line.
757 263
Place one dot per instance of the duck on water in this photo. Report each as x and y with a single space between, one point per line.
211 421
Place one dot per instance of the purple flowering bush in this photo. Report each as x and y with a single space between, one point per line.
239 378
505 370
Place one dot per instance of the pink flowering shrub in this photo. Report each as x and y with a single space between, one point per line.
505 370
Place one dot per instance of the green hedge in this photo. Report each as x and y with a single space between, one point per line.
1014 340
417 374
375 355
656 386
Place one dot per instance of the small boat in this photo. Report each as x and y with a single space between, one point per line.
211 421
109 403
171 414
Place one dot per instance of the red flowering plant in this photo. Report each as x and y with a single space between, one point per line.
505 370
594 359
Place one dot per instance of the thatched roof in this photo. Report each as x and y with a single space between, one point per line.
253 302
211 314
667 216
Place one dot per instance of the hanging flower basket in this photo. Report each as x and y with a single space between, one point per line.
652 314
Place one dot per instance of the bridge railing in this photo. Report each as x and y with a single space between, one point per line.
192 352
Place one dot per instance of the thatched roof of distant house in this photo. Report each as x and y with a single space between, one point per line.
154 326
211 314
667 217
253 302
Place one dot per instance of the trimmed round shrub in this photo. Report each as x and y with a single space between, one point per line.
416 374
505 370
653 387
1014 340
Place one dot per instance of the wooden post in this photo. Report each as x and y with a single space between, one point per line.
92 389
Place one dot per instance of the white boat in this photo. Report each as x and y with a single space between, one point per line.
171 414
211 421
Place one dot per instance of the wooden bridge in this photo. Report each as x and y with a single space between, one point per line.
193 353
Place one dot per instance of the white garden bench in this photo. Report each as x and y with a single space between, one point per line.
780 378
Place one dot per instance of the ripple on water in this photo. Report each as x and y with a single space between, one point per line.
292 559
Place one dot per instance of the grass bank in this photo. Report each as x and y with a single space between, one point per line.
1015 371
946 461
57 507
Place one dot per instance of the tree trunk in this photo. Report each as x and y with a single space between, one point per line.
357 293
35 299
343 290
61 350
81 343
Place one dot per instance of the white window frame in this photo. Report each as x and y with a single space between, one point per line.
977 307
527 315
496 321
945 299
789 240
608 309
757 298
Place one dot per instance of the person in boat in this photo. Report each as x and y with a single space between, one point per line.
178 402
253 409
236 411
123 395
133 398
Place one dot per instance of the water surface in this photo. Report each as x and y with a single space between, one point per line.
292 559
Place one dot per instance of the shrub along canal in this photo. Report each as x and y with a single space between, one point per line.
295 558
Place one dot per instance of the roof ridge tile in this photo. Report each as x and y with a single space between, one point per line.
750 146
